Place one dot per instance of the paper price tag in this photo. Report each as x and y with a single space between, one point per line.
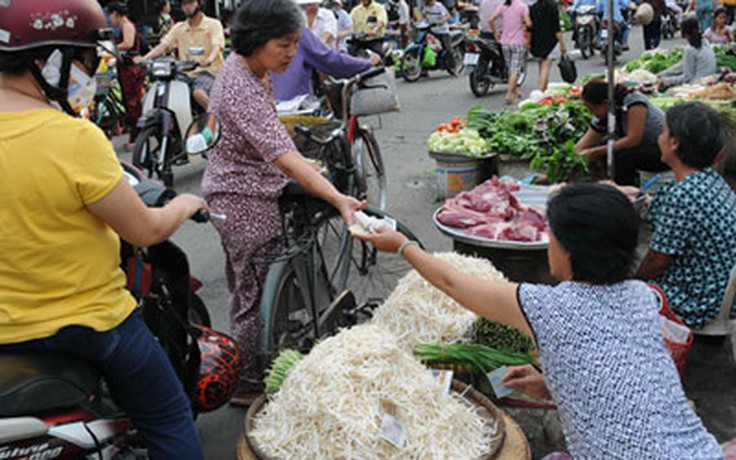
496 380
444 377
392 430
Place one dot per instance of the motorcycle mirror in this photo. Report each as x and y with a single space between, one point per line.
202 134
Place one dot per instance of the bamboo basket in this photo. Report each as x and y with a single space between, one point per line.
511 445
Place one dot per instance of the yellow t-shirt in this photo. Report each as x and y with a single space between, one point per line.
59 264
196 43
360 15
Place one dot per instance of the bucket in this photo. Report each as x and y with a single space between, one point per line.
513 166
458 173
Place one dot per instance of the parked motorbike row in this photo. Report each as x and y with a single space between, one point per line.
56 406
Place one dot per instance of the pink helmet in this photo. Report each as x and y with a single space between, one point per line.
69 26
29 24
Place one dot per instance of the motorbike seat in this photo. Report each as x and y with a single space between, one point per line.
32 382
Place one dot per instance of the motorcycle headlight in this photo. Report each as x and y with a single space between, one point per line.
161 69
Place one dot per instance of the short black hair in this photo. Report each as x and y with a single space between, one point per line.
258 21
691 28
595 92
700 131
117 7
598 226
17 62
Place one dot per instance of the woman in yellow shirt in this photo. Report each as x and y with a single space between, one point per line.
65 205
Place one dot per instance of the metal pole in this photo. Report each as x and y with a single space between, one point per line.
610 162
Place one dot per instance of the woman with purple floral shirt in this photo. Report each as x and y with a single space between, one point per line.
254 160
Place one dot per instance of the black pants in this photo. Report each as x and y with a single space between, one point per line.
652 34
629 161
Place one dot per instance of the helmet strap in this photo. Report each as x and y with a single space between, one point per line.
59 93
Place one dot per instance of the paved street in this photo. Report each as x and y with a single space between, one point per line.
412 199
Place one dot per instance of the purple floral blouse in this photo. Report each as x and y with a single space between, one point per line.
252 136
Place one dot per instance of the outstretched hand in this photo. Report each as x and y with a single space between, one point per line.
347 207
385 239
528 380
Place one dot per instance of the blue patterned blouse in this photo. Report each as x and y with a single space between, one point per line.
694 221
605 362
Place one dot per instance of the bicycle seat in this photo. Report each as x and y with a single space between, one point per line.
32 382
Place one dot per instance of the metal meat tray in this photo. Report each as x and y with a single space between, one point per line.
528 195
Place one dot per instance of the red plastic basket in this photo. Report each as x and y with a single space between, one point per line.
678 351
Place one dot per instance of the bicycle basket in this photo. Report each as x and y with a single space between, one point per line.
375 96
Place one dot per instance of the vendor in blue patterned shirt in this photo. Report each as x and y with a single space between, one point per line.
605 363
693 246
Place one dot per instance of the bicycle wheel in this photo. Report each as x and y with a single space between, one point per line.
370 275
370 174
294 293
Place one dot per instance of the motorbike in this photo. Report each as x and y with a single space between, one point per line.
670 26
416 58
617 47
55 406
585 29
485 65
168 109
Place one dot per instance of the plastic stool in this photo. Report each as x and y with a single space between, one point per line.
667 176
722 325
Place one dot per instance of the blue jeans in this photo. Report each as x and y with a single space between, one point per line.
141 381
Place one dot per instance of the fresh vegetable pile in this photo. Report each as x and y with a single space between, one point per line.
654 61
543 132
465 142
333 404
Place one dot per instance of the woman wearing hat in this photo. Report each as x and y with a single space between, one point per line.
321 21
605 363
253 161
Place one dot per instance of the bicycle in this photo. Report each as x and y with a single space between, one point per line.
108 111
348 134
302 300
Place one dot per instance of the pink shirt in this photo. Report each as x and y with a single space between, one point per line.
513 22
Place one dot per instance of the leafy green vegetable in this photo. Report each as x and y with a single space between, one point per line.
538 133
480 357
280 369
499 336
654 62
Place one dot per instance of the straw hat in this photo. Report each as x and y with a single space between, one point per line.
644 14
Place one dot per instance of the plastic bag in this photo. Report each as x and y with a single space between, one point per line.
568 72
430 57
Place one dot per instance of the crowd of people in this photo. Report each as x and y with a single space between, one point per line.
61 288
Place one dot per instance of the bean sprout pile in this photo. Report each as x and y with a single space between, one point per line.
332 402
418 312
